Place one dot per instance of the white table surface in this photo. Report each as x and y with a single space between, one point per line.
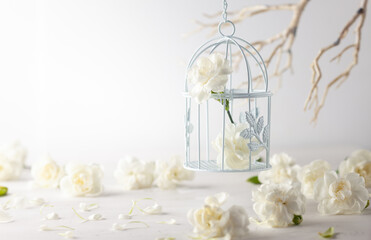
175 205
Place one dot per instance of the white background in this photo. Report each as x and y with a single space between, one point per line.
93 81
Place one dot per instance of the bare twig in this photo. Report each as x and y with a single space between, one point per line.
313 99
282 42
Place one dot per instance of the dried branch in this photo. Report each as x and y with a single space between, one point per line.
282 42
313 99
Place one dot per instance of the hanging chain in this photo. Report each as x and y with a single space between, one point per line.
225 6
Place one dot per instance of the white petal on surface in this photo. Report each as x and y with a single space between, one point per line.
217 200
52 216
170 222
95 217
154 209
66 234
121 227
84 207
124 216
5 217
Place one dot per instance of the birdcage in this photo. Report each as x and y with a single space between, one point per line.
227 121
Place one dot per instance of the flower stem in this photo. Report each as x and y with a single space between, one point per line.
229 115
226 106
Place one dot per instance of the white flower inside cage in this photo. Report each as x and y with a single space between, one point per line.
229 127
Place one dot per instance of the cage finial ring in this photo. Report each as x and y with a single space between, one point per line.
226 22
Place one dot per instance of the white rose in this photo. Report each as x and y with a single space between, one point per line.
9 170
358 162
283 170
340 195
276 204
170 172
208 74
236 150
82 180
12 158
132 173
46 173
14 152
211 221
310 173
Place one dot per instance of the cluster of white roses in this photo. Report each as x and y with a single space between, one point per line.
133 173
86 180
280 200
212 221
74 179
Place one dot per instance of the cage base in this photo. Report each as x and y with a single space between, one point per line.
212 166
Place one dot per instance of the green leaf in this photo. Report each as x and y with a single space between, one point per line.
297 219
328 234
259 159
337 171
368 204
254 180
3 191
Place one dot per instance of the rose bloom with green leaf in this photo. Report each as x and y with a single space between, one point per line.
340 195
236 149
82 180
211 221
170 172
46 173
284 170
310 173
208 74
359 162
132 173
279 205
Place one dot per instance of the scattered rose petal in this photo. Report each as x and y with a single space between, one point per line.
52 216
36 202
121 227
151 210
328 234
84 207
66 234
20 202
124 216
81 217
44 227
117 227
95 217
170 222
5 217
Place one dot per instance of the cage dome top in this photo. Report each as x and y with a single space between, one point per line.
232 47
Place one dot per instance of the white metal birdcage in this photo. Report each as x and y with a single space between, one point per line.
235 146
